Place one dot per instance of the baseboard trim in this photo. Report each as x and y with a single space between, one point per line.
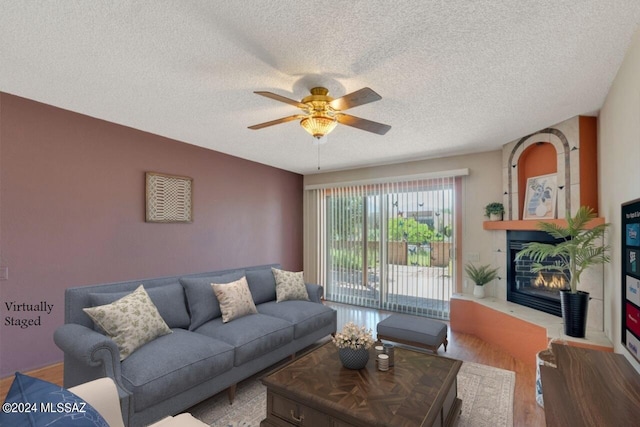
52 373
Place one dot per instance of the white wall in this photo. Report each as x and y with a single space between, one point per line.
619 172
482 186
619 181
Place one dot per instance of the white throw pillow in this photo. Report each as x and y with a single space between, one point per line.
290 285
131 321
235 299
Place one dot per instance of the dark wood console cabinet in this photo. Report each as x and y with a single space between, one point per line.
590 388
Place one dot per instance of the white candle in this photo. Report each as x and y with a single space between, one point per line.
383 362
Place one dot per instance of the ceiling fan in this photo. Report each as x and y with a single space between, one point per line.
322 113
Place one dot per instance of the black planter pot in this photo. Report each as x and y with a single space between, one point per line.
574 312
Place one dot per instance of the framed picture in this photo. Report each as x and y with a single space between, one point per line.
168 198
540 197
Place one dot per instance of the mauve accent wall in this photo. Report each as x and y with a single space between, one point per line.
72 214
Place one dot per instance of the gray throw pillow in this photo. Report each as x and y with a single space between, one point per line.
262 285
168 299
203 304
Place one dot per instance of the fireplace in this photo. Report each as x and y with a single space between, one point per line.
540 291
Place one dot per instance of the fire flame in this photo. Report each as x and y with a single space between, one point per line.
554 282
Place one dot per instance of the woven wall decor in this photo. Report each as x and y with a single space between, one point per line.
168 198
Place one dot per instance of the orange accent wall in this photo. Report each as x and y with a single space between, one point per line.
538 159
589 162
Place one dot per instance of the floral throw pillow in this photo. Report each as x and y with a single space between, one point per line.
290 285
235 299
131 321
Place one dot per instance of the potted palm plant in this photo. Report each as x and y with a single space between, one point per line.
494 211
580 248
480 276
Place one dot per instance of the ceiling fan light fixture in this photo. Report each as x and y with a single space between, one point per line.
318 126
322 113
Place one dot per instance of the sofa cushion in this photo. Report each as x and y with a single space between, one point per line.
203 304
130 322
290 285
252 336
235 299
262 285
26 391
172 364
169 300
306 317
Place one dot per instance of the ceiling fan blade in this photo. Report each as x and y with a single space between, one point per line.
363 124
353 99
282 99
276 122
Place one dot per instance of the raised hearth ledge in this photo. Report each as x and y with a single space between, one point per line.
519 330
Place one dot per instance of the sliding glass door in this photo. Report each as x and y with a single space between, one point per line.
353 252
390 246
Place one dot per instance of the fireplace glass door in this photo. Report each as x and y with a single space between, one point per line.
536 290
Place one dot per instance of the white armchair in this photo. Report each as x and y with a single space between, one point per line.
103 396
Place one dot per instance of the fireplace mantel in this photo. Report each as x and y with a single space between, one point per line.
531 225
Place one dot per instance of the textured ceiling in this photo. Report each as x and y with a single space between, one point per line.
455 76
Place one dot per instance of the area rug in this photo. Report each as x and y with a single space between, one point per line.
486 393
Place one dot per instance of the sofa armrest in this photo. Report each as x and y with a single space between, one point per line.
89 347
316 292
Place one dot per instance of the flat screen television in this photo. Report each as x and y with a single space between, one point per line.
631 277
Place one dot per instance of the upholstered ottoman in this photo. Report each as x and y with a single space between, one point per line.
414 330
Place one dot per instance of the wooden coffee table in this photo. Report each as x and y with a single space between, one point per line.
315 390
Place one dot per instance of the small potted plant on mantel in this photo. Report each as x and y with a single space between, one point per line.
580 248
494 211
480 276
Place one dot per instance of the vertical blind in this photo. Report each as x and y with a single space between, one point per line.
387 245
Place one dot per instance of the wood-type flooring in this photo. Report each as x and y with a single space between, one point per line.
464 347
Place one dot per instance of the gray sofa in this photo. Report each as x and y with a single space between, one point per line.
202 356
